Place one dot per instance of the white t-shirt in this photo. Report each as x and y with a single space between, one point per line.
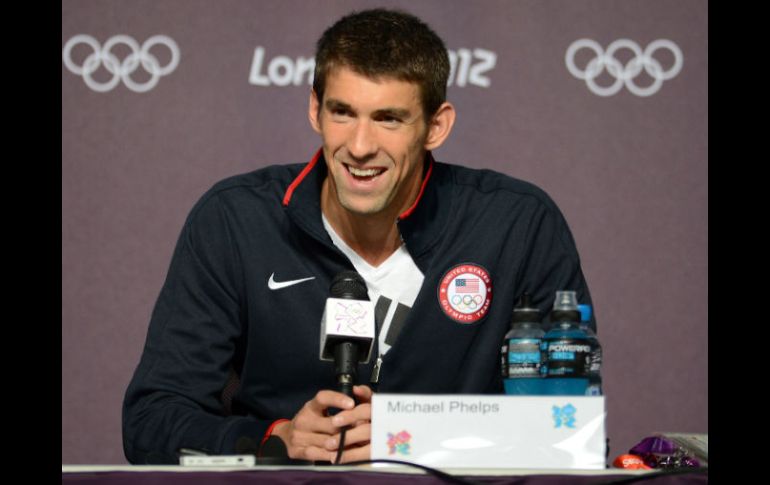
393 286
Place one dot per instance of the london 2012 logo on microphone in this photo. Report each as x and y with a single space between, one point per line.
465 293
350 317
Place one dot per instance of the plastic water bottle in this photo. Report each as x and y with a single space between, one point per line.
594 369
521 354
566 349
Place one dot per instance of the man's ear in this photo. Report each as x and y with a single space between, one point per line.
314 112
440 126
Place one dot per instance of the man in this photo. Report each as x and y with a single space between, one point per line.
434 243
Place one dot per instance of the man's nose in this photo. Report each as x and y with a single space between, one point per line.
363 140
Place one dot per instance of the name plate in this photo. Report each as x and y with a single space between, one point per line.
483 431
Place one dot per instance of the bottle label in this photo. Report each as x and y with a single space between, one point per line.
593 390
504 359
566 357
596 359
524 357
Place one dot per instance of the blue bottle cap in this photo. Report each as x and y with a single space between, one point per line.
585 312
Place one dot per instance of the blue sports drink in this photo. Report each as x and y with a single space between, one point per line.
521 353
566 349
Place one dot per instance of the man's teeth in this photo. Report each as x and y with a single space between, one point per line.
369 172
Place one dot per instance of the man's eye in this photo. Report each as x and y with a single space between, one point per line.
389 120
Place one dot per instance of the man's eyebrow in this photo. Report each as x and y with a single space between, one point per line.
332 104
400 113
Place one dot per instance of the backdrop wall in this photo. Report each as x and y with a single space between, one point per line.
224 90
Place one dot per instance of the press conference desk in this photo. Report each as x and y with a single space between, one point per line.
367 474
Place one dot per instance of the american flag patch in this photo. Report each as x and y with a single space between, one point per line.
466 285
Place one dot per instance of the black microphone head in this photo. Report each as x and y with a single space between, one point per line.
348 285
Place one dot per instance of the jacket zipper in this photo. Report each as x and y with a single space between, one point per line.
375 379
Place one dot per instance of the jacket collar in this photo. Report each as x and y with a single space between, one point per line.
420 226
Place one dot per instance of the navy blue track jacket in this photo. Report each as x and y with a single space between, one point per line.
216 314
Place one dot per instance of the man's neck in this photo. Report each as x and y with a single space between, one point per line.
373 237
374 242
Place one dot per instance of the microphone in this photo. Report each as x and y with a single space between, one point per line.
347 328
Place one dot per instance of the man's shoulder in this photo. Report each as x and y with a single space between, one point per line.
265 186
493 183
278 176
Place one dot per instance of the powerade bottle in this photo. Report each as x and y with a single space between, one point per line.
594 369
521 357
566 349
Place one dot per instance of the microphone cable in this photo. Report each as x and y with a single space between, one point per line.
341 445
433 471
599 479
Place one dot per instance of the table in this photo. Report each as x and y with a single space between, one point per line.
362 474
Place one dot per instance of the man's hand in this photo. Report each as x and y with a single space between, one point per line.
314 435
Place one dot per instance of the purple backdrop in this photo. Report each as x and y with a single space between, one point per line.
628 169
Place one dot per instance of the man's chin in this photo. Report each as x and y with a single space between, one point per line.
362 207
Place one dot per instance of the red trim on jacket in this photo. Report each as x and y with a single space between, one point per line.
409 211
309 167
269 432
301 177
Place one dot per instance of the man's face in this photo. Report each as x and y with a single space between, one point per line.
373 135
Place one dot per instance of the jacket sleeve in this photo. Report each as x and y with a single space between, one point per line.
552 262
173 400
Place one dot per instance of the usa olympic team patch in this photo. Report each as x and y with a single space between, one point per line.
465 293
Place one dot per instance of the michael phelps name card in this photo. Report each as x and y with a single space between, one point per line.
483 431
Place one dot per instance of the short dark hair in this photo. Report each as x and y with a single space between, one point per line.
385 43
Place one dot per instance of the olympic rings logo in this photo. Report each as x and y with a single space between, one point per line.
121 70
624 75
467 303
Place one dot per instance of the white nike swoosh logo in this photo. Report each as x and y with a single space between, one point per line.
277 285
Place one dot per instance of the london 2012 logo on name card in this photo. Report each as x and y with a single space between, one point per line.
564 416
465 293
399 443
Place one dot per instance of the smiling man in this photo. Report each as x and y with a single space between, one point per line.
375 138
239 312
